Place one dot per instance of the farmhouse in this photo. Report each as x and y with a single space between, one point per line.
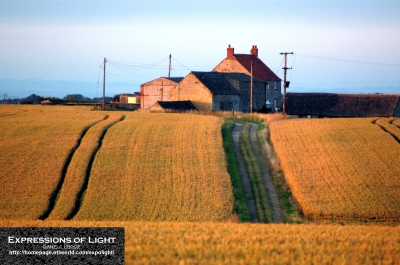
227 87
215 91
342 105
157 90
251 64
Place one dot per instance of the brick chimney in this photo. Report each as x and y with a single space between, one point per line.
230 52
254 50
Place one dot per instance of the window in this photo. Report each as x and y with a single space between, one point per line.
131 100
275 85
267 86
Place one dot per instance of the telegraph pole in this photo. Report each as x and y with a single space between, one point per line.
169 66
251 87
104 85
285 84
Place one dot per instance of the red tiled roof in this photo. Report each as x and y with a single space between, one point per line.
260 70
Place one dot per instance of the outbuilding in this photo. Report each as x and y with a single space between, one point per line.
157 90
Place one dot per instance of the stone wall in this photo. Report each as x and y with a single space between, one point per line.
230 66
258 96
190 88
226 102
274 94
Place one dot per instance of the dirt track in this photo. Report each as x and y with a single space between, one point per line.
237 130
266 178
273 200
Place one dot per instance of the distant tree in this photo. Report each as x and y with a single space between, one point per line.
115 98
32 99
74 98
39 99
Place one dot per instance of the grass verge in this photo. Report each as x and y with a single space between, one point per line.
241 207
291 212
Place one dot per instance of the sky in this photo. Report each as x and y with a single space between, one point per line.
57 47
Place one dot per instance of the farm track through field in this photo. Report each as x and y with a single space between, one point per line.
237 130
54 195
75 180
272 195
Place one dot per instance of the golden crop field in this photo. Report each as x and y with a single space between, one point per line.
35 142
228 243
77 169
147 166
160 167
340 168
389 125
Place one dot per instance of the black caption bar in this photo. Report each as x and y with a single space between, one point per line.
89 245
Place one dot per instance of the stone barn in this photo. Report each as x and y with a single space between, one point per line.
157 90
214 91
341 105
242 63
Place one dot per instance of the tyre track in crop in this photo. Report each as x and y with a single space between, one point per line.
387 130
80 196
237 130
272 195
54 195
76 177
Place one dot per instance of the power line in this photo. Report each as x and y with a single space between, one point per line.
124 64
345 60
181 64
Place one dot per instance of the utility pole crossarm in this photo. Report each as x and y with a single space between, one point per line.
285 84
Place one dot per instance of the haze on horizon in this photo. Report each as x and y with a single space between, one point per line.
340 46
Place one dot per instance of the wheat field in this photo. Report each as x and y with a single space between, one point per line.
146 167
35 142
389 125
340 168
160 167
77 170
229 243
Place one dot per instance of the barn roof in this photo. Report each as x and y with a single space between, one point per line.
216 83
260 69
161 79
185 105
341 105
175 79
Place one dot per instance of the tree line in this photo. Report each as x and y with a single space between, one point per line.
36 99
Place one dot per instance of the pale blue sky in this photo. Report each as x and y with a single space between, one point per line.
67 40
